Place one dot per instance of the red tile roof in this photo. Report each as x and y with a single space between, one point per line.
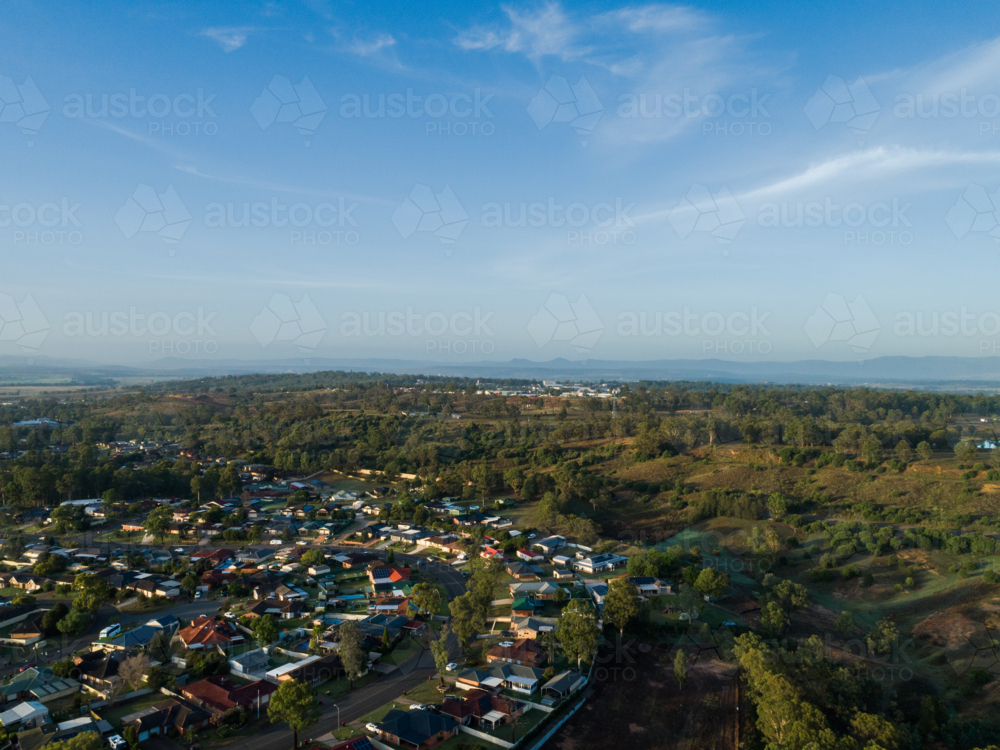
207 631
220 694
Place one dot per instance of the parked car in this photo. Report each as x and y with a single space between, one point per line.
452 667
117 742
418 707
230 616
197 595
275 541
371 728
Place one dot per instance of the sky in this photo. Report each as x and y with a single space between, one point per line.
456 182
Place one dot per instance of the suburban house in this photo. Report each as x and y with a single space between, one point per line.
550 544
275 608
160 718
213 557
24 715
516 677
250 663
290 593
34 684
521 572
560 686
99 669
207 632
26 632
25 581
418 729
650 586
530 556
532 627
312 670
388 574
599 593
391 605
524 607
217 694
522 651
479 708
561 560
599 563
536 589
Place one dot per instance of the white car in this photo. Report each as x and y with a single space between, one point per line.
371 728
417 707
302 542
275 541
230 616
117 742
453 667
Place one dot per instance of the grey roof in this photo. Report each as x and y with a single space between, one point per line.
562 682
416 727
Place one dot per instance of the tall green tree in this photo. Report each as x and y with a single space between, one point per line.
621 605
352 655
680 667
293 703
577 630
265 630
439 649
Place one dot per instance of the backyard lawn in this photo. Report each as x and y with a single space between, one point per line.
114 715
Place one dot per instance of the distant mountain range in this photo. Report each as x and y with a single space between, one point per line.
960 373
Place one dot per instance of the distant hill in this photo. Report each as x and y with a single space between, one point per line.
924 372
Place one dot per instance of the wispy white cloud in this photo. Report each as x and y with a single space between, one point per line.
864 166
372 46
229 38
536 33
654 18
278 187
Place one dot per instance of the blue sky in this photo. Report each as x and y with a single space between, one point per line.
771 182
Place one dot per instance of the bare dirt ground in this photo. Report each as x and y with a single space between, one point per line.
647 709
